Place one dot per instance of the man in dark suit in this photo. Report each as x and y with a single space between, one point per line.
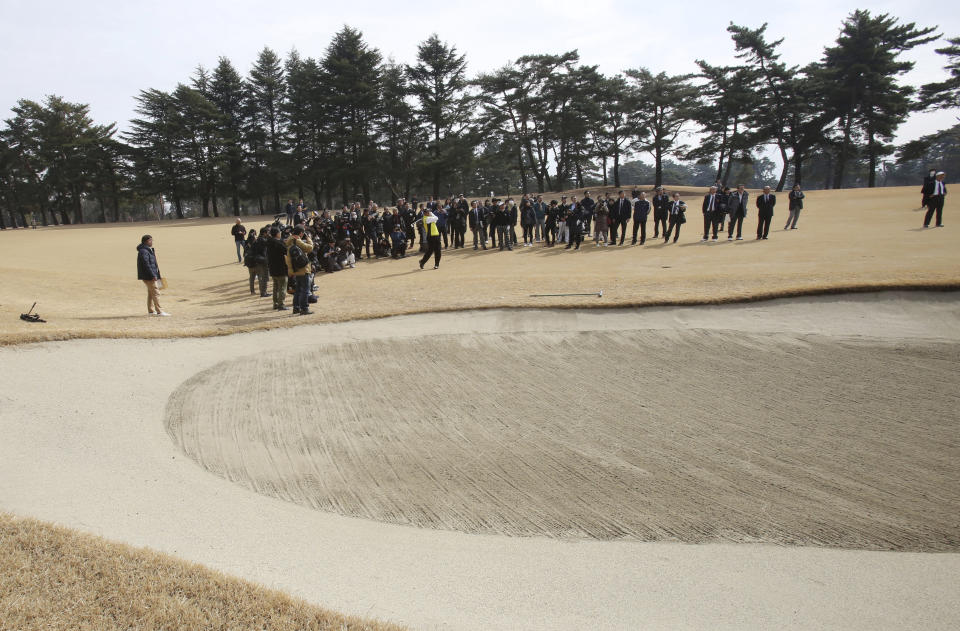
475 219
620 212
765 204
737 207
711 207
935 199
641 208
661 208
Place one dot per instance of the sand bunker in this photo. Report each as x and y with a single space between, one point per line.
649 435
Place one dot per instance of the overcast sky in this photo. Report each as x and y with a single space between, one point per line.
103 53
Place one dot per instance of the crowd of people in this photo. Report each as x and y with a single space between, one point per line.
302 243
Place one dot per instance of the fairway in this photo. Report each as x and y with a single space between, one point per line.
84 277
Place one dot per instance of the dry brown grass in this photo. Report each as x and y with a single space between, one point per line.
55 578
850 240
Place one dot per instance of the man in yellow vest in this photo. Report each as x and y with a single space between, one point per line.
432 232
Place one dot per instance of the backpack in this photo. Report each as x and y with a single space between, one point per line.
298 260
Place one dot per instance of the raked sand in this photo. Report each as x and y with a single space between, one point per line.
86 444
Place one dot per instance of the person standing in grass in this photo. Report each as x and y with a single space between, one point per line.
796 205
765 204
676 214
238 232
641 209
935 201
277 267
299 270
432 232
149 273
737 207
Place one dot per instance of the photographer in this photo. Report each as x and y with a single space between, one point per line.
677 217
329 258
301 273
399 243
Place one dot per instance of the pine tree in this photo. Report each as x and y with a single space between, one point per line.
770 115
227 94
403 137
438 81
728 96
267 93
944 94
861 71
351 74
666 106
160 164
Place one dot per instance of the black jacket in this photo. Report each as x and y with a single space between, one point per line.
147 263
276 257
641 208
706 202
796 200
620 210
766 206
476 218
661 205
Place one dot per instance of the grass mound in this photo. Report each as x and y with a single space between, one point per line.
56 578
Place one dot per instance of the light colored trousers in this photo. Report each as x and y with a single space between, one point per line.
153 297
792 219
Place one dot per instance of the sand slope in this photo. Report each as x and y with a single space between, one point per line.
685 436
85 277
85 445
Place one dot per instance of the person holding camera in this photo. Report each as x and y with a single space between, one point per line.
398 247
298 266
796 205
676 216
277 267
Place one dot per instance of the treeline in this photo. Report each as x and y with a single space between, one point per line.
351 124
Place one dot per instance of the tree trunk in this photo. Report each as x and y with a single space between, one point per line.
872 160
658 166
841 162
77 207
523 173
786 165
723 153
603 166
616 167
797 166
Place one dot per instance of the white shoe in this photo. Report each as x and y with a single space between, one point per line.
163 314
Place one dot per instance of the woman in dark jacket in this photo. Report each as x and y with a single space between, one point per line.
149 273
796 205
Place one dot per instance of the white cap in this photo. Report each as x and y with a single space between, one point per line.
940 173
